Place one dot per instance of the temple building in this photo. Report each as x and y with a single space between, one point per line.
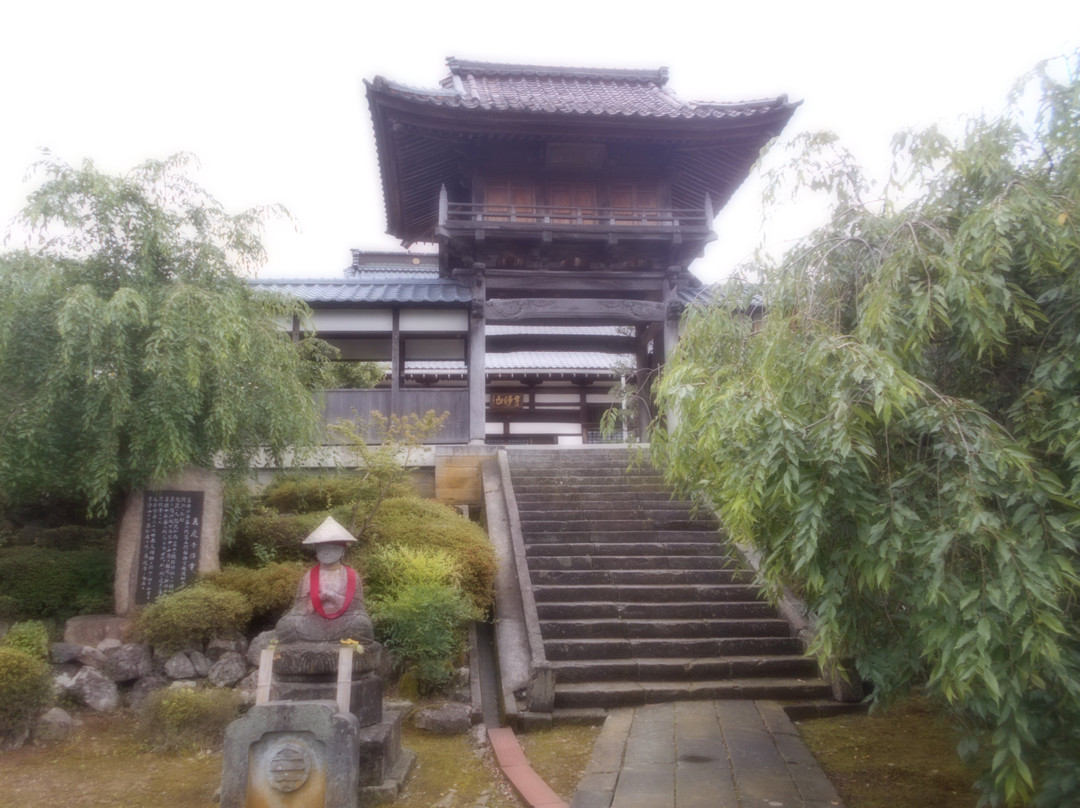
566 206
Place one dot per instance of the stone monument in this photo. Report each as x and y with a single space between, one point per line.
321 740
169 534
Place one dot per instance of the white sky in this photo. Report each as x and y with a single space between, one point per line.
268 95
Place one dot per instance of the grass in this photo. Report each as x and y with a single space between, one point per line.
106 766
904 757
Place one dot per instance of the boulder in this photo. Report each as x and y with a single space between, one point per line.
61 653
55 726
126 663
199 662
90 629
228 670
91 657
260 642
96 690
141 690
247 687
108 644
219 646
179 666
445 719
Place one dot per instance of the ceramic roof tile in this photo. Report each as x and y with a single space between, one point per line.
420 290
570 91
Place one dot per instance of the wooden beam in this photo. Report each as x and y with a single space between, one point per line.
555 308
477 359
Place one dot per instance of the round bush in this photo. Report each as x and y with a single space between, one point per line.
271 537
55 584
186 719
25 689
30 637
390 568
425 624
269 590
311 493
425 524
192 616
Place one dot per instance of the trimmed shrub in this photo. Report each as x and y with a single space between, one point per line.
422 523
66 537
51 584
30 637
269 590
261 538
425 624
25 689
390 568
188 719
310 493
193 615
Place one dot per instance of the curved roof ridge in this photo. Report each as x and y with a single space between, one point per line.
658 76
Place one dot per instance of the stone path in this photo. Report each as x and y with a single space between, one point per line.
703 754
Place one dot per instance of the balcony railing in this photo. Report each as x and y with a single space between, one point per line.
471 214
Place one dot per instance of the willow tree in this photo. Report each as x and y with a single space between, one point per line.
899 433
131 345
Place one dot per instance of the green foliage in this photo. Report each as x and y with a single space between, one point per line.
192 616
262 538
391 568
383 448
30 636
426 625
129 344
269 590
901 431
56 585
188 719
25 689
304 493
421 524
65 537
355 375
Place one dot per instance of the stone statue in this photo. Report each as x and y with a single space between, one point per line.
329 604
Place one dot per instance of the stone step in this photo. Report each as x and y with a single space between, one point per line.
562 511
609 670
621 577
622 694
609 536
690 549
585 649
646 593
655 611
601 629
612 522
664 498
581 561
590 486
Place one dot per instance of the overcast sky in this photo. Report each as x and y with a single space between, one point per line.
269 96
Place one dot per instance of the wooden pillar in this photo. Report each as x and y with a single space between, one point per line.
672 313
397 364
477 359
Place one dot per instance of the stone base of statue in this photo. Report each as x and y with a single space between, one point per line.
307 671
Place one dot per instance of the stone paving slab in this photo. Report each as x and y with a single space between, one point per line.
703 754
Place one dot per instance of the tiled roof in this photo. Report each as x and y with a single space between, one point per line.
555 360
559 330
421 290
570 91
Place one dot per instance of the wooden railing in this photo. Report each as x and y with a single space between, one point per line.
474 213
347 405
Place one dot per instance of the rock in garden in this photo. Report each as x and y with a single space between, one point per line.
126 663
55 726
228 670
108 643
178 666
90 657
247 687
142 689
61 653
96 690
260 642
199 662
219 646
446 719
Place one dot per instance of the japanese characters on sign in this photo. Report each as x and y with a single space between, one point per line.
169 543
507 401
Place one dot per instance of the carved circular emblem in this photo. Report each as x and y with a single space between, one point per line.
289 767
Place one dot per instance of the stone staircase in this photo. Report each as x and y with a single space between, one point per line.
638 599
